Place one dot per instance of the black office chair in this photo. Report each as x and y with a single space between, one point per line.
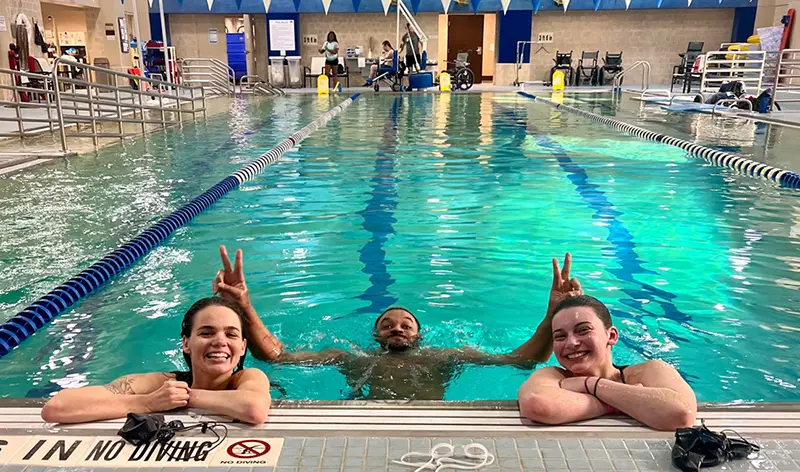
612 66
587 70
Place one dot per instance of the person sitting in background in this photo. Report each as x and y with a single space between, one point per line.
214 343
384 63
400 368
589 385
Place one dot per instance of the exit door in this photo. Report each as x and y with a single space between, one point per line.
465 34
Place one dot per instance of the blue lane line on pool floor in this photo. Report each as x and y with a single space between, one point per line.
379 221
621 239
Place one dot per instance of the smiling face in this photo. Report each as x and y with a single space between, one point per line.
397 330
581 342
215 343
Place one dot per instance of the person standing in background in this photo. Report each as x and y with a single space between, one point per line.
410 43
331 50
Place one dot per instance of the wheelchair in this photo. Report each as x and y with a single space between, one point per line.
563 62
588 71
612 66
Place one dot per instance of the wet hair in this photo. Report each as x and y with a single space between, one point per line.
327 38
586 301
188 323
387 43
419 326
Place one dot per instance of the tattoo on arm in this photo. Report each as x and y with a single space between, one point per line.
121 386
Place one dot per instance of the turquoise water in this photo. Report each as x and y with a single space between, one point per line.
449 205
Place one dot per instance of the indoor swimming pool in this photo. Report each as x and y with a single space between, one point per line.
449 205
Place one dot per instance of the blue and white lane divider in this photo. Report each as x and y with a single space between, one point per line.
719 158
42 311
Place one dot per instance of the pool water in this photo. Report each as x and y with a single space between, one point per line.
450 205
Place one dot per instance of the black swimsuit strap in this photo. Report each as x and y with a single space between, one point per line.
621 372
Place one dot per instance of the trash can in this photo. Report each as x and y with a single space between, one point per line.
276 73
101 77
295 72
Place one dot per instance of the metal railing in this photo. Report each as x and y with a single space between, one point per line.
252 84
94 104
726 66
730 103
645 66
787 77
210 73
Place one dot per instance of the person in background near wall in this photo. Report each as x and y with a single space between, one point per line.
411 45
385 62
214 344
589 385
331 50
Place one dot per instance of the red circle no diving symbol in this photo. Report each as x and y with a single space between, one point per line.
248 449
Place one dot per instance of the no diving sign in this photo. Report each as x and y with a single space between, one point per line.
113 452
241 452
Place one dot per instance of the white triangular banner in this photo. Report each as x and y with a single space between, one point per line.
150 2
566 5
210 4
326 4
628 4
690 2
266 5
505 4
386 5
446 5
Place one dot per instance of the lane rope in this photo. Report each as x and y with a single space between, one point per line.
60 299
716 157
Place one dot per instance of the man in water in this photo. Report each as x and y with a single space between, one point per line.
400 368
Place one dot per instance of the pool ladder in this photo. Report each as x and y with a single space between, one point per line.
645 66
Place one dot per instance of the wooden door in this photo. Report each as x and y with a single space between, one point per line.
465 34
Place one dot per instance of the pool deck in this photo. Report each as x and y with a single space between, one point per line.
44 148
349 436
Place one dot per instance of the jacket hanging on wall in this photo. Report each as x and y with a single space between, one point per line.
38 39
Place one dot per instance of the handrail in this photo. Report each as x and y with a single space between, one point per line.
729 102
222 75
98 103
645 75
254 87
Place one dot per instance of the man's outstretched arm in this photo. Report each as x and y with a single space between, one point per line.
539 347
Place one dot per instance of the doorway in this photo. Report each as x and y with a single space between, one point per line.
465 34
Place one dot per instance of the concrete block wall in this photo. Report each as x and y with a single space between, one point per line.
357 29
656 36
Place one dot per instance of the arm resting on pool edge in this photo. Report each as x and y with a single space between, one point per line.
248 401
542 400
662 399
129 394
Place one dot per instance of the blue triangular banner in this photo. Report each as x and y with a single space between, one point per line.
596 4
180 2
536 5
475 4
238 5
297 5
415 6
356 4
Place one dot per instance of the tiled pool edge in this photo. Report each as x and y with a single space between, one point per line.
583 448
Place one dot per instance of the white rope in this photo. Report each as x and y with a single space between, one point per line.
441 457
